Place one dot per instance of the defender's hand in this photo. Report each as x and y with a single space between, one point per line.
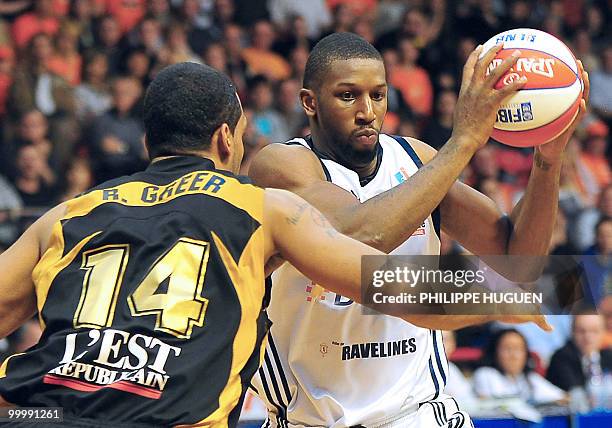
479 100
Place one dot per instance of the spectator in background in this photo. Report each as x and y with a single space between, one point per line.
177 49
110 42
593 154
93 94
477 19
34 181
127 14
10 209
357 7
438 131
583 49
601 87
364 27
36 87
395 99
236 66
294 34
149 36
7 66
605 309
253 141
416 26
116 136
576 183
559 242
78 178
82 15
582 357
412 80
342 21
215 56
508 372
289 108
315 13
159 10
486 173
259 56
66 60
583 230
249 12
266 120
138 65
34 129
597 262
299 57
520 16
41 20
456 384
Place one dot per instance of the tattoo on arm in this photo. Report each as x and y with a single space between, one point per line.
320 220
297 215
540 162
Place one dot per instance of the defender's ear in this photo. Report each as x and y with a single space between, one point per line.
223 142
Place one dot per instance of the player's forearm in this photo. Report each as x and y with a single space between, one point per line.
534 217
387 220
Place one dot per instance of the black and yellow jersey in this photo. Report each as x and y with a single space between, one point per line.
151 298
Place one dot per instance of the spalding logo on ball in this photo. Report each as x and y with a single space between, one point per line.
549 101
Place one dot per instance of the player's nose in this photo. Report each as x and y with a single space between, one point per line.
365 112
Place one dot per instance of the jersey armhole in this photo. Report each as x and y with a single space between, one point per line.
435 215
296 142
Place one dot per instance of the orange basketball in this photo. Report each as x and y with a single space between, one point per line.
549 101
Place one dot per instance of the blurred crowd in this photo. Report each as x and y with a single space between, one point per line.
73 75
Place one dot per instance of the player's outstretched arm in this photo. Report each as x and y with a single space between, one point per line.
17 294
299 233
401 210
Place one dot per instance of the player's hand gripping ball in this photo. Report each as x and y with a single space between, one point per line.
550 99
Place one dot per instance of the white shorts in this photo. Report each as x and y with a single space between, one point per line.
442 412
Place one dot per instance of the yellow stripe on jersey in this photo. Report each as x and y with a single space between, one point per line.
140 194
52 263
5 364
248 279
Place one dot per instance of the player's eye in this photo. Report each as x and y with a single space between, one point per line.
347 95
379 96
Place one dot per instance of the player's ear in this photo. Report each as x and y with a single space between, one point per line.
308 101
223 140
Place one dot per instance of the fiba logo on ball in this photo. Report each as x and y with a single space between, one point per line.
550 99
515 113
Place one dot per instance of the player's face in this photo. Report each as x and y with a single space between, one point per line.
351 106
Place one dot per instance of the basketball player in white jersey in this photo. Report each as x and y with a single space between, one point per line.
327 364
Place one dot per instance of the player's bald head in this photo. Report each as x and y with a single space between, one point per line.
335 47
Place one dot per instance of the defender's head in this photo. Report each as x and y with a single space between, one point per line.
194 109
345 96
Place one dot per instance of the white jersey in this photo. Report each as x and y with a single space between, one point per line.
326 363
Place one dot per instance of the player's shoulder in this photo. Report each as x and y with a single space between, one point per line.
285 166
423 150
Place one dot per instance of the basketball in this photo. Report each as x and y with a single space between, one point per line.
550 99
